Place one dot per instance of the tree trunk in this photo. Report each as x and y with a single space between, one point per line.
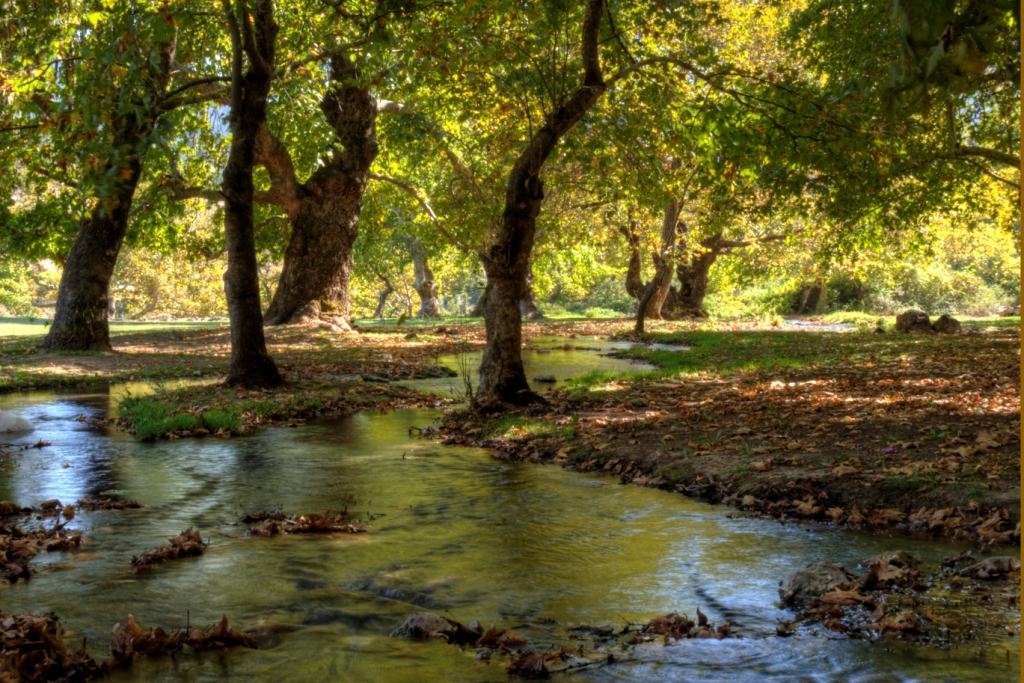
80 318
481 303
634 281
324 211
555 293
813 301
693 279
382 299
251 366
668 244
528 304
426 287
663 273
507 259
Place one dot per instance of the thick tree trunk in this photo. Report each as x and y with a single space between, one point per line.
80 319
382 299
324 211
426 287
507 259
528 304
668 244
251 365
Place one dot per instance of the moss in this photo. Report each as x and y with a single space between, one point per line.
678 472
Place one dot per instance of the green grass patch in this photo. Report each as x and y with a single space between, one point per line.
215 407
27 327
519 426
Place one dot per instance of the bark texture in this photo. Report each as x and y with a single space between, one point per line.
251 365
323 211
507 259
426 286
80 321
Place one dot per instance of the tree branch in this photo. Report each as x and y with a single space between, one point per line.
274 156
987 153
195 82
413 192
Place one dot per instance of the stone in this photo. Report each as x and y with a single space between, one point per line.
9 422
946 324
545 378
804 587
897 558
424 625
991 568
1005 311
913 321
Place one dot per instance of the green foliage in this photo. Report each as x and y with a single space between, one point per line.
15 287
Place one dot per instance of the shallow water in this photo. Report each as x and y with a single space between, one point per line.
453 530
543 356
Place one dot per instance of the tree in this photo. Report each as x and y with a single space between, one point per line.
99 90
426 287
324 210
252 40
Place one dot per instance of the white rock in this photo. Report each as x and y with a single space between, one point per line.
9 422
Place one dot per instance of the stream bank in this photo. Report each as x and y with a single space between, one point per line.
453 531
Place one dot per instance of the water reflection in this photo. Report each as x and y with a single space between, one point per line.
454 530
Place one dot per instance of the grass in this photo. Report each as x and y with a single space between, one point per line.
519 425
27 327
215 407
735 351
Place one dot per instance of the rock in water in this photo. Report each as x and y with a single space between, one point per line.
913 321
992 568
803 588
896 558
946 324
9 422
424 625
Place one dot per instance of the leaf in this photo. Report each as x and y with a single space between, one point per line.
843 470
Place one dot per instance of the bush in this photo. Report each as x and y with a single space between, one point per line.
935 290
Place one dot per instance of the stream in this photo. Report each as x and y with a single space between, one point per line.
529 547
